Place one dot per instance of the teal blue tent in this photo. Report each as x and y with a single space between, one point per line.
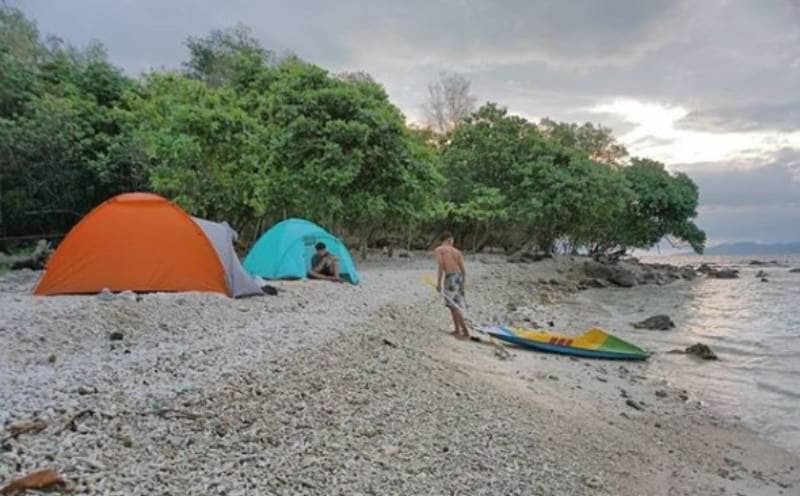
285 251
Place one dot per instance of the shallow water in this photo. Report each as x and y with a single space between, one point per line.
753 326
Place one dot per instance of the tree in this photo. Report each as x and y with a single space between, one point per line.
217 57
663 205
597 142
449 102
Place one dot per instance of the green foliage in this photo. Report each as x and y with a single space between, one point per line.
663 205
242 137
60 142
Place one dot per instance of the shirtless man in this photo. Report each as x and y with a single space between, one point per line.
324 265
450 280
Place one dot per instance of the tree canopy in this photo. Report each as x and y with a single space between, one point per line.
243 136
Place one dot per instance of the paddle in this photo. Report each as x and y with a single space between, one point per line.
431 281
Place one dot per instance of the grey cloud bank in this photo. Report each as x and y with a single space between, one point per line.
735 66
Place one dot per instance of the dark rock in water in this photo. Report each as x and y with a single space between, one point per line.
761 273
702 351
764 279
688 273
795 271
656 323
116 336
723 274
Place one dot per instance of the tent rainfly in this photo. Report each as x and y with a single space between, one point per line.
142 242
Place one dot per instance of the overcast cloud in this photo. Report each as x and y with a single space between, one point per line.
709 87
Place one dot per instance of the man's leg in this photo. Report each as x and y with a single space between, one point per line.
455 314
335 269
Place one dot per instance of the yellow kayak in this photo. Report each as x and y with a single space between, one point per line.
594 343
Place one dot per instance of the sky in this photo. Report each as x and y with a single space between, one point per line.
709 87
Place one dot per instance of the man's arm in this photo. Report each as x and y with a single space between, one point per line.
439 272
463 270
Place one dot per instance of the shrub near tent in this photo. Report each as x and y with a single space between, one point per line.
142 242
285 251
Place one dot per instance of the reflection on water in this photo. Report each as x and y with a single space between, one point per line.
753 326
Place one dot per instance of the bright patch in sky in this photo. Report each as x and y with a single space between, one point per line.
657 134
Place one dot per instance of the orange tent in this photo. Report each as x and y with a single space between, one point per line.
134 241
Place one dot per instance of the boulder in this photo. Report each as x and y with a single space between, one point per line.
702 351
623 277
597 270
655 323
764 279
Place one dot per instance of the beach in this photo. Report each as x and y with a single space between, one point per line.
340 389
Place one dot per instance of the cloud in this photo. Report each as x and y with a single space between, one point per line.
784 116
657 134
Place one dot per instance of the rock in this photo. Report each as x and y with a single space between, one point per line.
761 273
702 351
597 270
655 323
764 279
403 254
704 268
83 390
723 274
52 358
623 277
523 256
634 404
660 393
105 295
688 273
795 270
116 336
127 295
594 283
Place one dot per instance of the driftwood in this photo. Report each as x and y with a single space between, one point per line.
43 479
72 423
35 260
31 426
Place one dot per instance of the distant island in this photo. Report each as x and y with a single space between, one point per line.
751 248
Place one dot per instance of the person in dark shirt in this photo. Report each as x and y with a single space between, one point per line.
324 264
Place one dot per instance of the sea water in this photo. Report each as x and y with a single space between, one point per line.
753 326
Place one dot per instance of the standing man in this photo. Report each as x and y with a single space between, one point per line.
450 279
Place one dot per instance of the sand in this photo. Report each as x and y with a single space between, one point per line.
332 389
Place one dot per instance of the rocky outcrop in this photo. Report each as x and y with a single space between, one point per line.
655 323
723 274
615 274
524 256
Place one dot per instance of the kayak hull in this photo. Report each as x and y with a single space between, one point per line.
551 345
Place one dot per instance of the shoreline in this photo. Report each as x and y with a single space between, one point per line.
351 389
